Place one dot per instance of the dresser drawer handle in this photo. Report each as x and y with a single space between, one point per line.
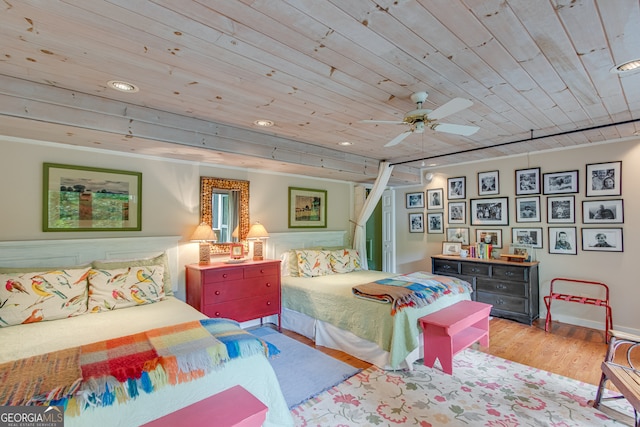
475 270
224 275
268 302
217 314
217 292
446 267
499 301
509 273
268 285
501 286
262 271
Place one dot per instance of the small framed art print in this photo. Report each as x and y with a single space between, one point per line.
457 188
451 248
488 183
560 182
604 179
602 239
435 198
435 223
602 211
527 181
561 209
415 200
457 212
528 209
416 223
562 240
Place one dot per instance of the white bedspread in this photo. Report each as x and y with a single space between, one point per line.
253 373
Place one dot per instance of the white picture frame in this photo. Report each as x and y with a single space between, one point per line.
528 209
488 183
451 248
494 211
562 240
561 210
609 211
435 198
527 236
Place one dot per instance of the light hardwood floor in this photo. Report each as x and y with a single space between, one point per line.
572 351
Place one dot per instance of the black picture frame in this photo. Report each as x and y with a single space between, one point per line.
563 246
435 198
460 234
415 200
565 182
609 211
488 183
527 236
602 239
457 212
527 181
457 188
561 210
435 223
528 209
496 236
416 222
604 179
493 211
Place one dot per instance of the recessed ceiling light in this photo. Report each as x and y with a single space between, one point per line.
122 86
626 66
263 123
345 143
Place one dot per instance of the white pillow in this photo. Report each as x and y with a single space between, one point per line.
313 263
345 261
125 287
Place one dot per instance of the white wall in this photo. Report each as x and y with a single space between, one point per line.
618 270
170 194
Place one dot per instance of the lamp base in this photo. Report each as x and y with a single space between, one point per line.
205 253
257 251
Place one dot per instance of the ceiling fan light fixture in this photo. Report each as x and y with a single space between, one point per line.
123 86
627 66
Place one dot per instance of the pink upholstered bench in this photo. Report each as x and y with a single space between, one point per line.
234 407
452 329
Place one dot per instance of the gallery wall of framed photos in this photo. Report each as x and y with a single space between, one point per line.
584 209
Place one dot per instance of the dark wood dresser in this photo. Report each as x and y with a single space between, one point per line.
511 287
241 292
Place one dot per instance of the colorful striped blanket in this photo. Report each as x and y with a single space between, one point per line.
410 290
118 369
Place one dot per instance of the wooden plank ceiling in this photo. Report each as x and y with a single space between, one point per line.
208 69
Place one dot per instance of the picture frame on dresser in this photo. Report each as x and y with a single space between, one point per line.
563 240
602 211
451 248
604 179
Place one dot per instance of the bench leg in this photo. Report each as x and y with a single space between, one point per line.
438 345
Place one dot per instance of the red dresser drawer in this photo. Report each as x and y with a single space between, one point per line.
261 270
245 309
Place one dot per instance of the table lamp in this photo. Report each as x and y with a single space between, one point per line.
204 234
257 232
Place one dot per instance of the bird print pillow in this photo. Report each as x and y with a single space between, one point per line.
125 287
44 295
313 263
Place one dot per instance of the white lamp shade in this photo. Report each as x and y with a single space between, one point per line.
204 233
257 231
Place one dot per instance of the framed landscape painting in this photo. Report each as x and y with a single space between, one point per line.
78 198
307 208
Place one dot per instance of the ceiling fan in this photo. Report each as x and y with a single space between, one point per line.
419 118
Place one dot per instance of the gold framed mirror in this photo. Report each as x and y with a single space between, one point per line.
224 205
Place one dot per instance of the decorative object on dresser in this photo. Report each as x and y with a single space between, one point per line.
236 251
511 287
240 292
204 234
257 232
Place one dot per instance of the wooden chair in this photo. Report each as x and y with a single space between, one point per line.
621 371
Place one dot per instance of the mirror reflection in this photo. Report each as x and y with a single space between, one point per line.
224 204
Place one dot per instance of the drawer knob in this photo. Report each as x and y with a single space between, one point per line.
268 285
217 292
446 267
217 314
501 286
268 302
499 301
224 275
508 273
475 270
261 271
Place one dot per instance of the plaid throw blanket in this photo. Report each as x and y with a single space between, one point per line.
239 342
410 290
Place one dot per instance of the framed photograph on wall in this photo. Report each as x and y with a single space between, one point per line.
560 182
78 198
561 209
527 236
457 212
562 240
451 248
602 211
307 208
435 223
528 209
527 181
457 188
602 239
416 222
604 179
458 235
494 237
435 199
415 200
489 211
488 183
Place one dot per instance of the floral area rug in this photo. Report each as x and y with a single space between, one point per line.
484 390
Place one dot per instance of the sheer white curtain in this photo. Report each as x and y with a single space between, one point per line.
359 236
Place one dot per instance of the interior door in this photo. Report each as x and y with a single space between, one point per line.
388 231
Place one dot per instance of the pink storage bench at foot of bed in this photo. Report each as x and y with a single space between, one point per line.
234 407
452 329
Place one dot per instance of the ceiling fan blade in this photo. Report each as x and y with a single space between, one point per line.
391 122
453 106
463 130
398 139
